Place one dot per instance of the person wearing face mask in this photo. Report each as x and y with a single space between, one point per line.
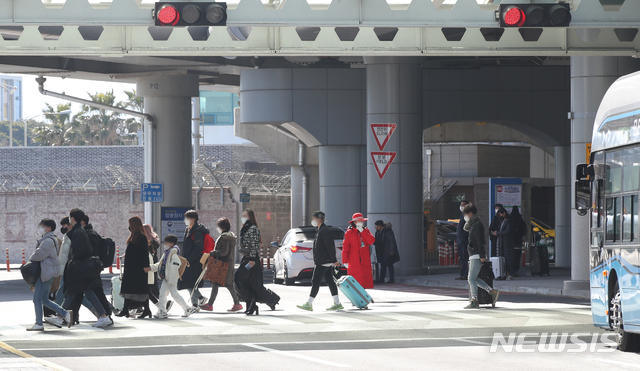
192 249
505 237
225 251
462 239
493 227
324 257
356 254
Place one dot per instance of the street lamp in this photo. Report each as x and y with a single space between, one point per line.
11 89
26 121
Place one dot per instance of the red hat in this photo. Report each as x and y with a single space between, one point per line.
357 217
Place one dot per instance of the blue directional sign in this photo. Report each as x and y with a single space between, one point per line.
245 197
151 192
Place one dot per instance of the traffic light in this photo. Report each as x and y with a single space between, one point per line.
534 15
190 14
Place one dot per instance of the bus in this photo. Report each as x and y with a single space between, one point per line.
607 189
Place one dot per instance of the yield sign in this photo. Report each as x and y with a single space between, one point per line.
382 161
382 133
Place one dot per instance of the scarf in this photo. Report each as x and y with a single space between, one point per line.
472 220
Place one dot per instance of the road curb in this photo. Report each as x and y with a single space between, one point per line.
22 354
580 294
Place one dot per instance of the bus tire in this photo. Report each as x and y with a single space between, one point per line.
627 342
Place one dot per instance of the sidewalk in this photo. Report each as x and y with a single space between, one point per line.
526 284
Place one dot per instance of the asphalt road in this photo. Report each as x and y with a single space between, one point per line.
407 328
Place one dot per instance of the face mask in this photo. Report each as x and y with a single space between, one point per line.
497 211
219 230
359 224
64 230
466 218
461 208
187 222
314 223
41 231
244 220
167 247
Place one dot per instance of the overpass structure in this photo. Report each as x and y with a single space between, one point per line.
316 78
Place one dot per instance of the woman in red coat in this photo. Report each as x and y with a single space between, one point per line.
356 253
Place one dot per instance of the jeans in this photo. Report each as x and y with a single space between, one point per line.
41 297
165 289
386 264
474 281
102 298
62 298
320 272
77 299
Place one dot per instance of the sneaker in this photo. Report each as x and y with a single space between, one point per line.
306 306
36 327
235 308
509 278
161 315
207 307
110 321
169 305
202 301
102 322
189 311
54 321
473 304
336 307
494 296
68 318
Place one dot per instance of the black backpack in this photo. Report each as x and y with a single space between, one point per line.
107 251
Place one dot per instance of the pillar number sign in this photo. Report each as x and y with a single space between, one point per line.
382 160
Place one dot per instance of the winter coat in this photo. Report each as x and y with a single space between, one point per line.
356 253
519 227
153 258
324 246
462 237
505 237
79 251
386 246
94 238
47 254
225 251
250 240
136 259
64 251
494 227
192 251
476 237
172 273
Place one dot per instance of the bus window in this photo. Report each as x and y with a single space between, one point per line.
613 219
596 204
631 169
614 172
628 218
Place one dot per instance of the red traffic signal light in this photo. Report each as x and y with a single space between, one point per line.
190 14
534 15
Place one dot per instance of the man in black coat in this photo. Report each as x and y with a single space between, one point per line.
324 257
96 244
192 250
82 272
462 239
386 250
494 227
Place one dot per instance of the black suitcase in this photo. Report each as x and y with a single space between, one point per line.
539 260
271 298
486 275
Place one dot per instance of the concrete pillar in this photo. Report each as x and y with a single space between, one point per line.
340 183
394 95
313 198
562 156
168 100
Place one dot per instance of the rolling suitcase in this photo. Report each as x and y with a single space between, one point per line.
499 264
354 292
539 260
271 298
486 275
117 301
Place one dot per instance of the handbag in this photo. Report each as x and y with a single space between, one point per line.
31 272
216 271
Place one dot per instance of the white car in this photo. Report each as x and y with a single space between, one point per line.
294 258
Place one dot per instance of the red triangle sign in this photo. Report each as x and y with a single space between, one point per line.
382 161
382 133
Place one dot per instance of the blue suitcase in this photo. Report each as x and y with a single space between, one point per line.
354 292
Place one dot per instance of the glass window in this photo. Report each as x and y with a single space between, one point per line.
631 169
613 219
614 172
596 204
628 219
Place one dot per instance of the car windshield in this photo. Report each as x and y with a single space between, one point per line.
541 224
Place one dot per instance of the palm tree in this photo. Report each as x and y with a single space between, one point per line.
135 103
100 124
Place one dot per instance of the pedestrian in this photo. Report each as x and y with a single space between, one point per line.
477 256
248 278
154 245
519 231
135 279
493 227
355 251
462 239
82 272
505 241
386 250
168 268
325 260
46 253
96 244
224 251
192 251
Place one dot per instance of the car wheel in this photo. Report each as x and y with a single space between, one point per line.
626 341
277 281
287 281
